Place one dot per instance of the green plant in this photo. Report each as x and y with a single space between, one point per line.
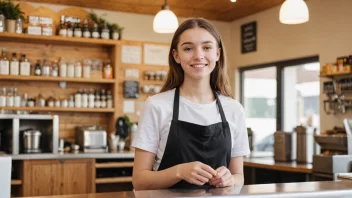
10 10
100 21
128 121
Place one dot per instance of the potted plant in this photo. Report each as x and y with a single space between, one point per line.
11 12
115 30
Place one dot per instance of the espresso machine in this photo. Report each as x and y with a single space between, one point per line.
336 153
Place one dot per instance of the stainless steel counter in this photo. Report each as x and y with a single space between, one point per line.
286 190
42 156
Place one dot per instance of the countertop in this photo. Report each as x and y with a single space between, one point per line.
269 163
329 189
42 156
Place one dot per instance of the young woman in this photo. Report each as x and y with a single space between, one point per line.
192 134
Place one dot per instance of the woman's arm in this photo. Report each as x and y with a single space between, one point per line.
144 178
229 176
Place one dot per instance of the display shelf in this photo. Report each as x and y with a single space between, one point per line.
56 79
16 182
114 165
61 109
340 74
113 180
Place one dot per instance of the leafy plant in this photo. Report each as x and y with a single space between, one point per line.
100 21
10 10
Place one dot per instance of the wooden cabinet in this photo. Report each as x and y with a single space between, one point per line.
58 177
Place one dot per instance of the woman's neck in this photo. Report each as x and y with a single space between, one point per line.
197 91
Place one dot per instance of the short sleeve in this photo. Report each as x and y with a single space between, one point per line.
147 137
240 137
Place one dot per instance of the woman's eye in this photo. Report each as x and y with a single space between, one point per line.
187 49
207 47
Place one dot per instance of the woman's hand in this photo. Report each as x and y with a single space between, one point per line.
195 173
224 178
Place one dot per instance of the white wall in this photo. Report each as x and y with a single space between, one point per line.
327 34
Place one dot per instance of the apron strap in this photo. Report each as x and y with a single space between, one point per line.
222 114
176 104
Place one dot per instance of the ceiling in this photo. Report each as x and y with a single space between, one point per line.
221 10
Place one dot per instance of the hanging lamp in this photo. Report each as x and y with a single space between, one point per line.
294 12
165 21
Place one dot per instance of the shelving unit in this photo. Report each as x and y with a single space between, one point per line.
114 165
56 79
113 180
61 109
341 74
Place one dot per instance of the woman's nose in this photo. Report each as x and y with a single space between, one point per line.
198 54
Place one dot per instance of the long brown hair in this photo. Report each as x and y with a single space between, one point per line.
219 80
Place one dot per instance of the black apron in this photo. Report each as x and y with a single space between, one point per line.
188 142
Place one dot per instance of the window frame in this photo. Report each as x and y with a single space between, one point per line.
280 65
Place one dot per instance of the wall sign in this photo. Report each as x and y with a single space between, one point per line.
249 37
131 89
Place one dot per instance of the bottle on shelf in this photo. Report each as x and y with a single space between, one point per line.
105 32
69 29
63 67
55 69
107 70
4 63
37 69
78 69
16 98
19 26
2 23
71 102
70 69
25 66
86 32
95 32
46 68
14 65
57 102
86 68
63 30
41 101
84 98
78 99
91 99
3 97
64 102
109 100
24 100
9 98
77 31
97 99
103 99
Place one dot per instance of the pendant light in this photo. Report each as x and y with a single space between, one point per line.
165 21
294 12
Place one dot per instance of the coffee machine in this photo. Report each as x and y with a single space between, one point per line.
336 153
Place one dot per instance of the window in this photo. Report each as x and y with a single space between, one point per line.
280 96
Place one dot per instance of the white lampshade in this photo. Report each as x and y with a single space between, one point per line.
294 12
165 21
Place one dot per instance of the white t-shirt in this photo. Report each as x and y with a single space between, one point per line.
155 121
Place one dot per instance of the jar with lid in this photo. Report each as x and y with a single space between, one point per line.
46 68
51 102
86 68
55 69
70 69
40 101
57 102
78 69
64 102
108 70
63 67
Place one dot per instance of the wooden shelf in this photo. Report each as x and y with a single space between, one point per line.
13 37
16 182
56 79
61 109
114 165
335 75
113 180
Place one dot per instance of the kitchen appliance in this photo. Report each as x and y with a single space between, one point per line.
31 141
91 139
305 144
284 146
336 156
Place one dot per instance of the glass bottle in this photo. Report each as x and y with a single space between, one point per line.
14 65
71 102
103 99
97 99
25 66
91 99
3 97
69 29
2 23
24 100
77 31
95 32
107 70
78 99
55 69
16 98
105 32
86 32
37 69
9 98
84 98
46 68
64 102
63 67
63 30
57 102
4 63
109 99
70 69
51 102
19 26
78 69
86 68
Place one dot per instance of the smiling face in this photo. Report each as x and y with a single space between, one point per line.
197 52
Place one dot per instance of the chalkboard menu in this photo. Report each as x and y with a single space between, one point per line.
131 89
249 37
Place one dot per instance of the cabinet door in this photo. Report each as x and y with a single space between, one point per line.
41 177
78 176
